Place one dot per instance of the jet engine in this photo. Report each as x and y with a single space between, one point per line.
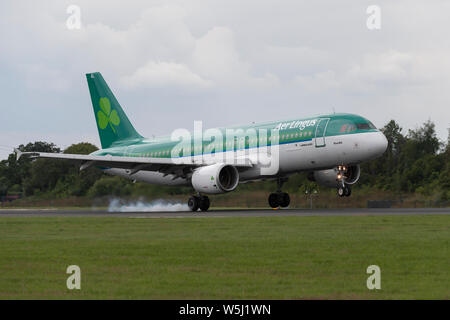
216 178
333 177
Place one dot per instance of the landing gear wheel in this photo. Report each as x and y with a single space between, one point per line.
283 199
279 199
347 191
204 203
193 203
273 200
344 191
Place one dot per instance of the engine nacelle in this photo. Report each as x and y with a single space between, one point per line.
329 177
216 178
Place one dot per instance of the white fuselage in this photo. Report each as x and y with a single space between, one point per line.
316 154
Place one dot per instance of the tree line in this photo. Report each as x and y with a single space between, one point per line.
414 162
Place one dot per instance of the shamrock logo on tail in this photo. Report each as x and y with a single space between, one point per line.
106 116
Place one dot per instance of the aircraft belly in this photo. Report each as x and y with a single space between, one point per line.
149 177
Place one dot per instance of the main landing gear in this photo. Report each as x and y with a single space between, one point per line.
279 198
198 202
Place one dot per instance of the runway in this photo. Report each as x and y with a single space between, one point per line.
5 213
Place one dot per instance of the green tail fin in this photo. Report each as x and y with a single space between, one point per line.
112 122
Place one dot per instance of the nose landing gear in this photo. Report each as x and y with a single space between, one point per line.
279 198
343 190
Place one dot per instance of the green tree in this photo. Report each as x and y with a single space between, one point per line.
423 140
444 177
395 138
110 186
3 186
15 172
59 177
43 176
81 148
384 171
78 183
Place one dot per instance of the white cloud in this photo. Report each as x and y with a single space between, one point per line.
388 71
286 60
320 82
385 68
216 57
44 78
164 74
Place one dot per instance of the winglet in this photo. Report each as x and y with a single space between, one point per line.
18 153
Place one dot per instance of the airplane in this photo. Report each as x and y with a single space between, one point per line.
329 147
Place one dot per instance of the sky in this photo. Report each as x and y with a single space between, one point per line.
170 63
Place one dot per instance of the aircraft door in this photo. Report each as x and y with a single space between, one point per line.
320 132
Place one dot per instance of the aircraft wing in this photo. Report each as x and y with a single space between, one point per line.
179 166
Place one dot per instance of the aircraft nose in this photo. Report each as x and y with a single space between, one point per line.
382 143
376 145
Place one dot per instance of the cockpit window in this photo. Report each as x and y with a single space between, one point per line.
365 126
348 125
362 126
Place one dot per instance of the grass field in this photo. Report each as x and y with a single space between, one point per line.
226 258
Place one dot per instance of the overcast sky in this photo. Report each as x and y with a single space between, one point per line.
224 62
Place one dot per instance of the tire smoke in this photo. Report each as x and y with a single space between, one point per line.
118 205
